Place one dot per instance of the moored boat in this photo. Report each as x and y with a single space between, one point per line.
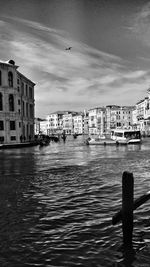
100 141
126 136
118 137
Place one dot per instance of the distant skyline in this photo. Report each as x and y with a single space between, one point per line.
108 64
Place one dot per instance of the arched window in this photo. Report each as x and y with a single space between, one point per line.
10 79
1 101
11 102
0 78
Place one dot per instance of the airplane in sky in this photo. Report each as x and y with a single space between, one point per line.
68 48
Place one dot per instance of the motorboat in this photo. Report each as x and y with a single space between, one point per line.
100 141
126 136
117 137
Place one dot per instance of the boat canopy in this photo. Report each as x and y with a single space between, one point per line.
126 133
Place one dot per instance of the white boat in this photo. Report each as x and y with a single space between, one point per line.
126 136
100 141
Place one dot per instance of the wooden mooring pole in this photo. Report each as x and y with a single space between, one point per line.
127 208
128 205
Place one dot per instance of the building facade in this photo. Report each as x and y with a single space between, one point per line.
78 123
68 126
97 121
143 114
55 123
16 105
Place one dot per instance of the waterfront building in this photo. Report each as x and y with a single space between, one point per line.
55 123
43 126
135 124
16 105
118 117
111 117
37 126
78 123
97 121
124 117
143 114
85 122
68 126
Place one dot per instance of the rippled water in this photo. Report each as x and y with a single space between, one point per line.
57 203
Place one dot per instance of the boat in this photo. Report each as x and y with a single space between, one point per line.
126 136
44 143
117 137
100 141
75 135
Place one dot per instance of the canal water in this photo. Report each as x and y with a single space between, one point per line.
57 203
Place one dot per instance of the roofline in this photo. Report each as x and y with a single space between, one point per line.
26 78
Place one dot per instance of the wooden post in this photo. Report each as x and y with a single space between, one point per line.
127 209
137 203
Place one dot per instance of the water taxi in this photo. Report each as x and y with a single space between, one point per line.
100 140
126 136
117 137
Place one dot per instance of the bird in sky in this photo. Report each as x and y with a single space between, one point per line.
68 48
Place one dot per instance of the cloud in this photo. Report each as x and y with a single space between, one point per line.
82 77
140 24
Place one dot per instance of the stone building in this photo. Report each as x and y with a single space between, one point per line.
97 121
143 114
78 123
55 122
68 126
16 105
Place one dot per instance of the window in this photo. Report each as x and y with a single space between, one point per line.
18 81
12 125
27 109
0 77
11 102
10 79
1 139
22 88
23 108
30 92
1 101
26 90
18 101
12 138
31 111
1 125
19 124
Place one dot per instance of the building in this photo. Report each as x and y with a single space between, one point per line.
118 117
68 126
16 105
143 114
124 117
78 123
85 122
39 126
55 123
97 121
43 127
111 117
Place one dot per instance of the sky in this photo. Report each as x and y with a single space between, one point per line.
109 62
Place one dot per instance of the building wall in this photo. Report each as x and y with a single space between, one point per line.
16 105
78 124
97 121
55 123
68 123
